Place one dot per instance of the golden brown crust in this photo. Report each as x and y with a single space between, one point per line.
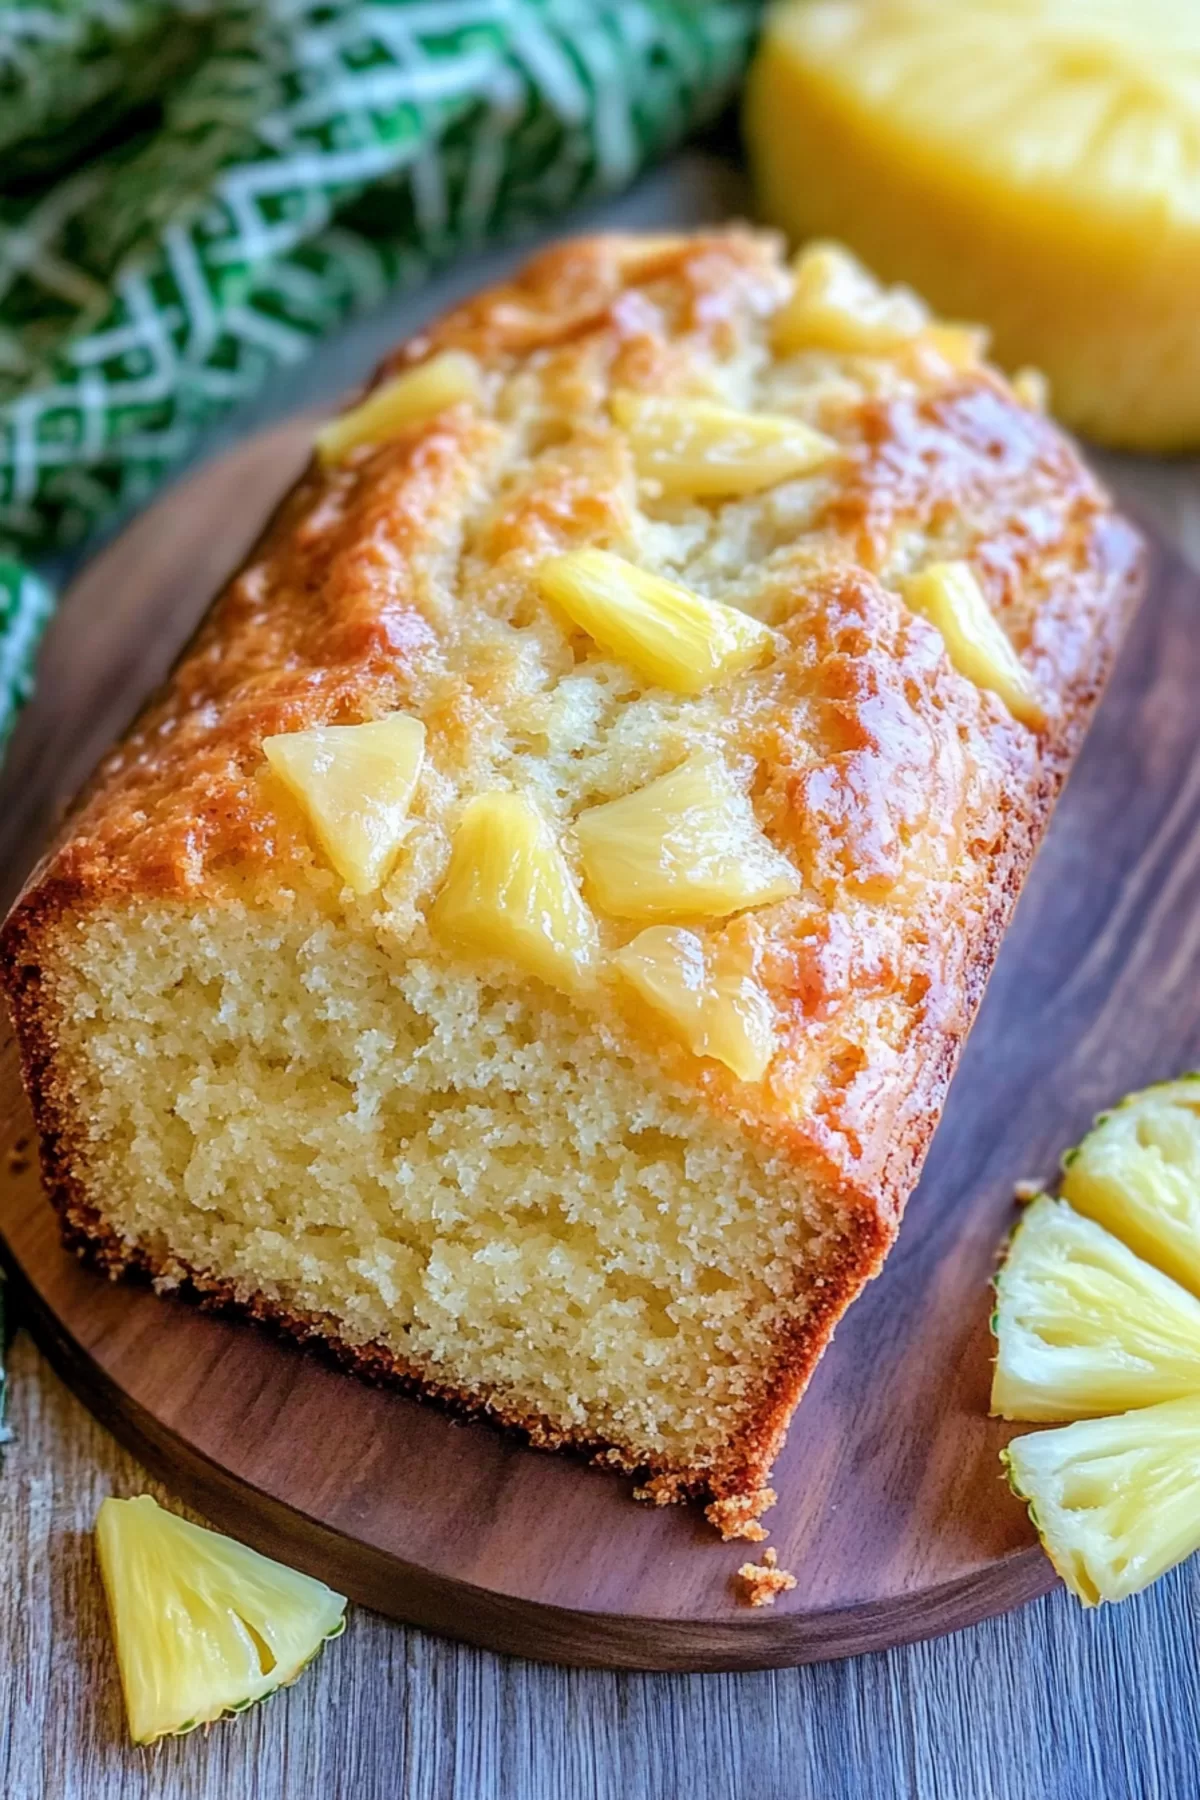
340 613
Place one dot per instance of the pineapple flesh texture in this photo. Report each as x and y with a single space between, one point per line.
1138 1174
836 305
700 448
667 635
709 995
1084 1326
948 595
203 1626
1034 164
1114 1500
451 379
509 893
355 784
686 846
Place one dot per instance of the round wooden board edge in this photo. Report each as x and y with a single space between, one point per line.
486 1618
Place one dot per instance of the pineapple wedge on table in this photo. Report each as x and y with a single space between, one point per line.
204 1626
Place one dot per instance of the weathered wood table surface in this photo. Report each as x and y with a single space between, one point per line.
1045 1704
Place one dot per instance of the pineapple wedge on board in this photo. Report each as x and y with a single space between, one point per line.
1138 1173
1084 1326
1114 1501
1084 1322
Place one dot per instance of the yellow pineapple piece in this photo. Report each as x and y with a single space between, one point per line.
669 636
509 893
1138 1174
203 1625
1114 1500
420 393
962 346
1030 163
355 784
836 305
948 595
1032 389
710 995
698 447
688 845
1084 1326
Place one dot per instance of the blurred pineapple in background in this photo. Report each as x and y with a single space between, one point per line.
1034 164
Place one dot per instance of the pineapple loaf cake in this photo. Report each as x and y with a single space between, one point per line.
527 942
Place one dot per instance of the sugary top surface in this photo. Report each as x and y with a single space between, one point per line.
405 579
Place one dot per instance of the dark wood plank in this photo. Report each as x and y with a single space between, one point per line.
891 1516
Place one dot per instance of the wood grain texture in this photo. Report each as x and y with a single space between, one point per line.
1044 1704
1047 1703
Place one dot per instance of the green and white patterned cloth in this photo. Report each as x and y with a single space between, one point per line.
191 193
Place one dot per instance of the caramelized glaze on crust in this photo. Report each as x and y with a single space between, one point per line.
910 802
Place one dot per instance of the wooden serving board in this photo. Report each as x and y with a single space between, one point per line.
892 1513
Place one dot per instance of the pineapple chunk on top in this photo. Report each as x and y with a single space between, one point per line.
1084 1326
686 846
203 1625
509 893
355 784
449 379
709 995
1138 1173
669 636
948 595
836 305
1114 1500
697 447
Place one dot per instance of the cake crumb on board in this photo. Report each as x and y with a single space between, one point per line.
737 1516
765 1581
